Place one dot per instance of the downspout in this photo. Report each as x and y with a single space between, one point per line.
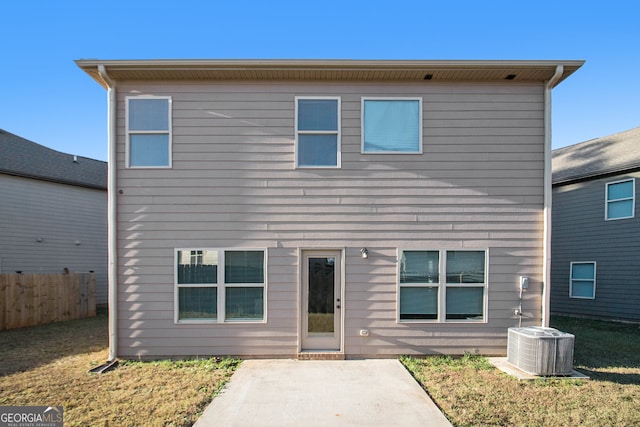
111 214
546 261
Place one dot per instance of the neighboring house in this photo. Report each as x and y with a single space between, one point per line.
362 208
596 228
53 211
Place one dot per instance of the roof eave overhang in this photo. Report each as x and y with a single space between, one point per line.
336 70
53 179
596 175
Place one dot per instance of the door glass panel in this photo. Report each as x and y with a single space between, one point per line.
321 295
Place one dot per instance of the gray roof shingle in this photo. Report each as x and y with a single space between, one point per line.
601 156
21 157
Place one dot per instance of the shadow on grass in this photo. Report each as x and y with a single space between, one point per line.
28 348
604 350
612 377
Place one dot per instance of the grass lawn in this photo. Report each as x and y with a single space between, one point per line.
471 392
48 365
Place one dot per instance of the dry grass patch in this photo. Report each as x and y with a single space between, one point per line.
47 365
471 392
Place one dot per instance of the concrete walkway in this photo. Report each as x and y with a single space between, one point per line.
373 392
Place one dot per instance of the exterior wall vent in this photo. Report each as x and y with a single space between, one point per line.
540 351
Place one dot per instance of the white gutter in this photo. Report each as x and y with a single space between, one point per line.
546 261
111 214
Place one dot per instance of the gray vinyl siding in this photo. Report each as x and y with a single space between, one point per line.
477 185
580 233
60 215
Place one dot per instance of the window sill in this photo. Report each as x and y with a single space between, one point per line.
439 322
391 152
419 322
217 322
465 321
196 322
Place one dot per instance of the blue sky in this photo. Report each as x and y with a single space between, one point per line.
46 98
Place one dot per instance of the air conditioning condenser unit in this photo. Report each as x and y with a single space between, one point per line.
540 351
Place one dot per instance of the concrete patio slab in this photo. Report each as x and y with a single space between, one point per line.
506 367
372 392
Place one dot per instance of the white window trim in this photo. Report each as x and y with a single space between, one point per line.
391 98
337 132
442 286
220 286
632 198
148 132
593 295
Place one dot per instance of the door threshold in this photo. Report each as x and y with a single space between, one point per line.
321 355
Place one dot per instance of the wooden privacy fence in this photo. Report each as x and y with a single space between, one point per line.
33 298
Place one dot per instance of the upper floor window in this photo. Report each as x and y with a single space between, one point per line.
317 132
583 280
149 131
392 125
620 196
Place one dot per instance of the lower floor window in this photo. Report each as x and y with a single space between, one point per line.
244 303
583 280
442 285
220 285
465 303
419 303
198 303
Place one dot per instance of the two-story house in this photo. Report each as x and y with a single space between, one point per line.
291 208
596 230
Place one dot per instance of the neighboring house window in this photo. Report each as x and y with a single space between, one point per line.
220 285
391 125
458 294
620 197
583 280
317 132
149 131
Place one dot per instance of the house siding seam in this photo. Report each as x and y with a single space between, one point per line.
581 233
233 184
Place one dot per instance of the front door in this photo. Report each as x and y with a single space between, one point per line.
321 320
